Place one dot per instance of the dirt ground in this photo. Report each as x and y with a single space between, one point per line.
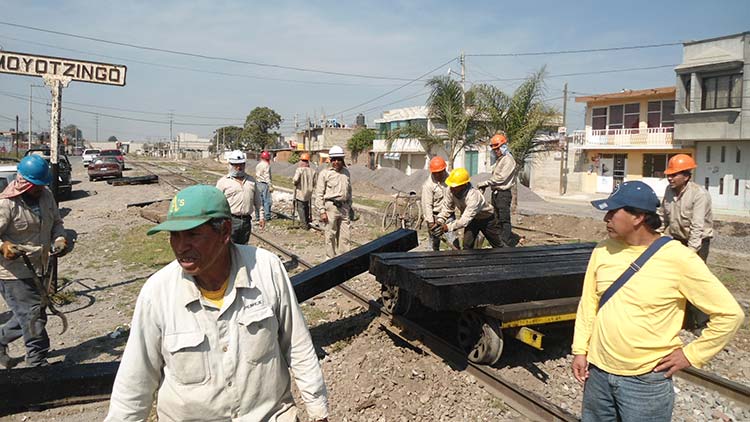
370 376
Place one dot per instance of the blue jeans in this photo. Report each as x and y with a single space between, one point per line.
265 200
638 398
24 302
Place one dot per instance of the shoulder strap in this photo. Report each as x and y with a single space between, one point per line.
633 268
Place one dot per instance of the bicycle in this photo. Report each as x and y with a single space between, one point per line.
405 211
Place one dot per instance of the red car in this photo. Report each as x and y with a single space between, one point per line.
114 153
103 167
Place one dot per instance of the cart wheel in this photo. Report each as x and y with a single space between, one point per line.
395 300
389 216
480 337
411 216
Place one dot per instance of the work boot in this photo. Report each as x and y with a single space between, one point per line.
4 358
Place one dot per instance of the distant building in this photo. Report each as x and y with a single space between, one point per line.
713 113
189 145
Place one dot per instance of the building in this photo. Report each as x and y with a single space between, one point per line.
322 136
408 154
189 145
713 113
628 135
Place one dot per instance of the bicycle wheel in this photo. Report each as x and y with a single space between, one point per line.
411 215
389 216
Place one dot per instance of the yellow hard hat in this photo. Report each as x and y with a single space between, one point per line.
459 176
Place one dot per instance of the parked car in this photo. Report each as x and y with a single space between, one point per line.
7 175
105 166
89 155
114 153
64 185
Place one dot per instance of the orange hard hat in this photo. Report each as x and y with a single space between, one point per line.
680 163
437 164
304 156
498 140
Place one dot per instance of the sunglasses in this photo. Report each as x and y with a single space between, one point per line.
337 159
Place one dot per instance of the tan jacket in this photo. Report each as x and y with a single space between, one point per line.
433 194
242 195
472 205
687 216
20 225
303 181
263 172
333 185
503 174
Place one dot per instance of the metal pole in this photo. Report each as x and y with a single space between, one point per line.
31 92
564 146
463 78
15 136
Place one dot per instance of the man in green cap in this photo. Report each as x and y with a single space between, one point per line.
216 331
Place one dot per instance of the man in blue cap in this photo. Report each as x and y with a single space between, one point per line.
216 331
626 345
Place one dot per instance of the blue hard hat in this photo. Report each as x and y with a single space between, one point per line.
35 169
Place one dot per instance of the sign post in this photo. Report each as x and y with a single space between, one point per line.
58 73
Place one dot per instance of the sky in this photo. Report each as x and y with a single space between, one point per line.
353 57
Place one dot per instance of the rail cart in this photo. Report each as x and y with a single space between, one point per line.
497 292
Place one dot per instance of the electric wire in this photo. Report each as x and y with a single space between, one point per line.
586 50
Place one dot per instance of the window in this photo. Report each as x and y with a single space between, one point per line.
655 164
599 118
723 91
721 186
686 84
708 154
705 184
616 116
632 115
736 187
667 113
661 113
737 159
723 153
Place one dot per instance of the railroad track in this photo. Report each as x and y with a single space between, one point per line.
525 402
171 177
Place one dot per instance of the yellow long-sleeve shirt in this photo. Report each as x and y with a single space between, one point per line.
639 325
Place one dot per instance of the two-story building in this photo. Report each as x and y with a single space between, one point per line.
409 154
713 113
629 135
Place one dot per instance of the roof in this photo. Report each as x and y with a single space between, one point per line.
628 94
401 114
723 37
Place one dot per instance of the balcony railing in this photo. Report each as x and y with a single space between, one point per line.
398 145
653 136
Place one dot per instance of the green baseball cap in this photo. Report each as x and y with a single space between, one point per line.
192 207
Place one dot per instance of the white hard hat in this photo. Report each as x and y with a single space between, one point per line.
236 157
336 151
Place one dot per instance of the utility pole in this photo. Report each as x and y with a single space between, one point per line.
15 136
462 59
170 136
31 91
96 116
562 132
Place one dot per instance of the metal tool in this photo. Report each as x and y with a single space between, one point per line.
41 283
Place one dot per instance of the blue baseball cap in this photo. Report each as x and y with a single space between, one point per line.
634 194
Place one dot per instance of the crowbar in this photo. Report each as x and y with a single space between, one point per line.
45 300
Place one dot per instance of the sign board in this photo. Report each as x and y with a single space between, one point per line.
76 70
562 129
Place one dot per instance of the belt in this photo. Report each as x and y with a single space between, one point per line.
242 217
500 190
335 202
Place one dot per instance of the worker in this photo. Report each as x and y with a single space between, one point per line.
333 200
264 184
216 332
476 214
501 182
30 224
243 196
434 190
303 189
687 217
626 344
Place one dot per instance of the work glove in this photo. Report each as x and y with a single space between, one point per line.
59 247
324 217
10 250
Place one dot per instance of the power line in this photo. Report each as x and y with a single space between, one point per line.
593 72
190 69
587 50
201 56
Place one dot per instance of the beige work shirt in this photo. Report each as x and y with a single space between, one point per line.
472 205
503 174
263 172
303 181
687 216
209 364
21 226
432 198
241 194
333 185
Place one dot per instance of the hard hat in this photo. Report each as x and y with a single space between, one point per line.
679 163
336 151
459 176
437 164
304 156
34 169
498 140
265 155
236 157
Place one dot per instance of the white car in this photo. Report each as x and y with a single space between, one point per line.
89 155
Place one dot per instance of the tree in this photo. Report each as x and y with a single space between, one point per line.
72 132
259 122
229 137
112 139
360 141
